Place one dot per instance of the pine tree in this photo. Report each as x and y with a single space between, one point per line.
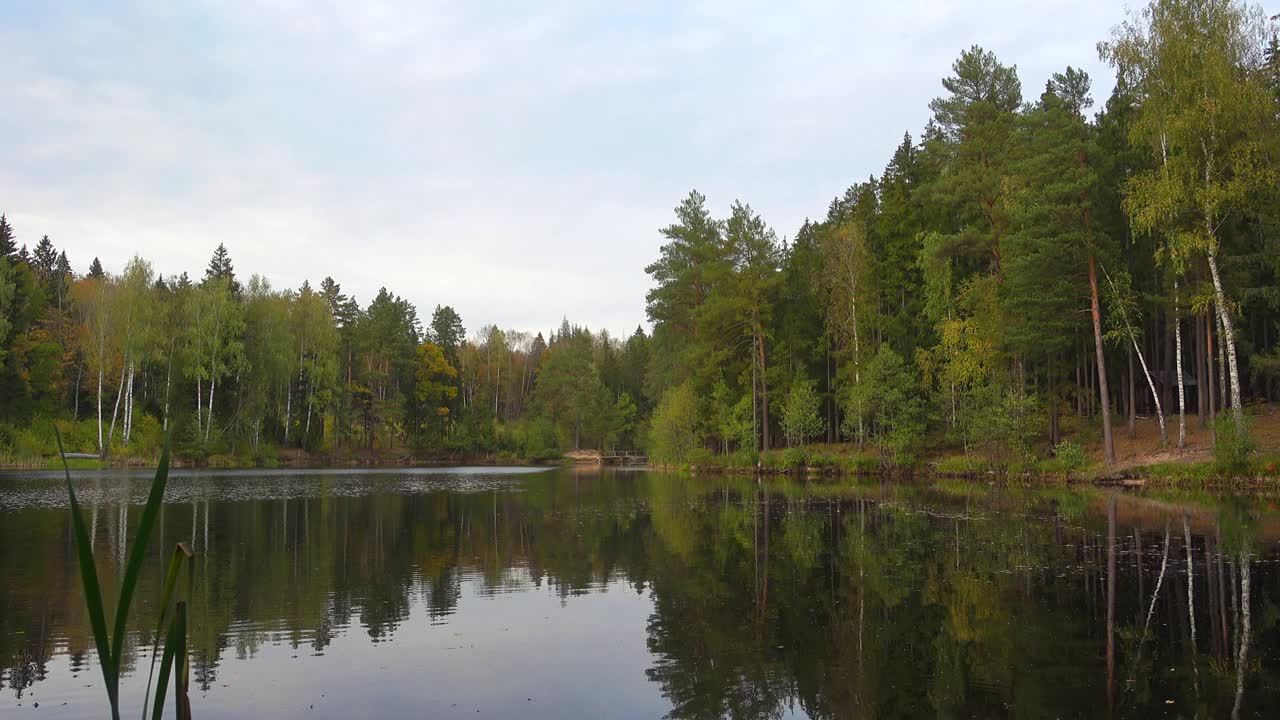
1056 242
447 331
95 270
975 125
682 275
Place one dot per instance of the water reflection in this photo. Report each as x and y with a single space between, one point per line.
633 594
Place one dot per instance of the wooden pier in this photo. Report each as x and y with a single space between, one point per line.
623 457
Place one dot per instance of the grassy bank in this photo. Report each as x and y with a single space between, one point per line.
1141 458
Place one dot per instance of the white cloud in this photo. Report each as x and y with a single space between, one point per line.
514 160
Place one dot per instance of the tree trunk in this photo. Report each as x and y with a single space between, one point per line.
1246 625
75 414
1111 602
1177 352
1208 365
1202 399
755 405
1191 592
168 377
1108 440
102 450
1229 340
199 408
208 426
128 406
1054 434
1164 433
764 389
115 411
288 409
1133 398
1224 400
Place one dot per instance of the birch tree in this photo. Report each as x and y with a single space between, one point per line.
1196 66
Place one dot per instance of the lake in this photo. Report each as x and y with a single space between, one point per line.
588 593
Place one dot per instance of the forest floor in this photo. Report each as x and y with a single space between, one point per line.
1144 449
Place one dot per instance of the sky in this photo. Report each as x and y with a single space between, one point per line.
514 160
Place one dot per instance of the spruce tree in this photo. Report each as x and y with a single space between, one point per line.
8 246
45 258
95 270
220 268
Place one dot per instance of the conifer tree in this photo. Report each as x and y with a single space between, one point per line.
8 245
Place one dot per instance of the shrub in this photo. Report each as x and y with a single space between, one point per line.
794 457
1232 447
1069 457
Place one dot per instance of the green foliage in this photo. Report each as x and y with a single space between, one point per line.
801 419
435 388
674 429
1006 430
1069 457
890 402
1233 445
795 457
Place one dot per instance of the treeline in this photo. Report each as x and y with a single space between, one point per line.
1024 264
241 368
1024 261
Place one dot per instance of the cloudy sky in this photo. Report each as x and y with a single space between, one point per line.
514 160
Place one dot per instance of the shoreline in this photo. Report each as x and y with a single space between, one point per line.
1195 474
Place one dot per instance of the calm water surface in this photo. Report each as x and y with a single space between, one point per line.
630 594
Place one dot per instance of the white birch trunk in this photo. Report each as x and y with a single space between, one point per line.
208 426
115 412
1182 391
199 408
1164 433
1246 625
128 406
1228 340
288 408
102 450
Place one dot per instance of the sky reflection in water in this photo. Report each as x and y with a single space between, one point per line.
630 594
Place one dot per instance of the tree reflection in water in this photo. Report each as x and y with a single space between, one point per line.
819 600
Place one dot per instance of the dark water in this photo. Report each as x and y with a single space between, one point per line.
483 593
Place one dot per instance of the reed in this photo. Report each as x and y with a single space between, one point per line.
111 648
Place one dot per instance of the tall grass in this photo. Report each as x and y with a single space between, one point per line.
111 648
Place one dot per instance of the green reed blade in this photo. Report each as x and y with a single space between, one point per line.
180 553
181 703
92 590
166 667
139 552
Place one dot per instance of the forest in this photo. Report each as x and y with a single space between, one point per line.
1028 275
